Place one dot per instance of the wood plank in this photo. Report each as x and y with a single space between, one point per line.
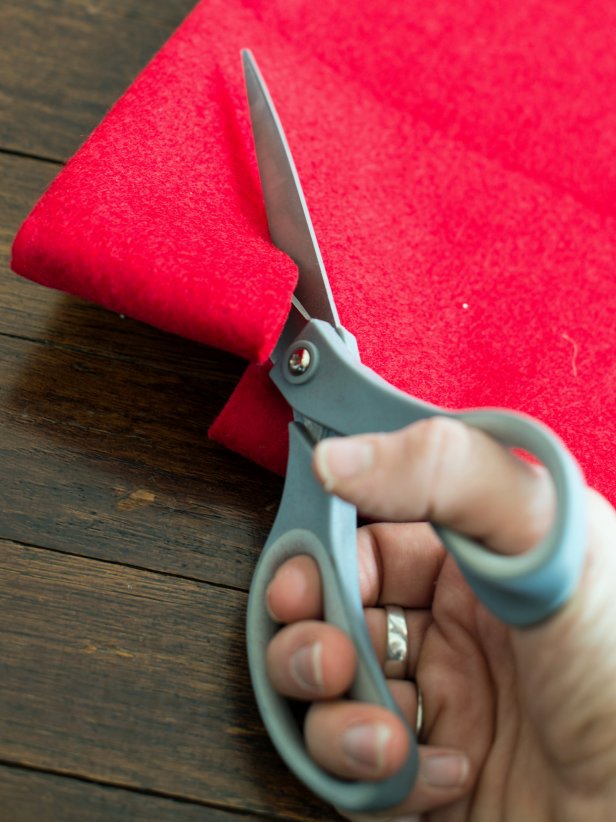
63 64
134 679
23 181
110 459
124 691
28 795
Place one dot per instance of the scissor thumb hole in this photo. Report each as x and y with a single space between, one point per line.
443 471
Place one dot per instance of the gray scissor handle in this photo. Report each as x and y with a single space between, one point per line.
312 522
344 396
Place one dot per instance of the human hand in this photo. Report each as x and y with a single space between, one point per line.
517 724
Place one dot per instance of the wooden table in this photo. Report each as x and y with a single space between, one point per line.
127 539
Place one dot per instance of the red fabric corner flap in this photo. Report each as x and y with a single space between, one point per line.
457 160
159 215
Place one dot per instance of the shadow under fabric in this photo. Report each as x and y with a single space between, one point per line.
458 163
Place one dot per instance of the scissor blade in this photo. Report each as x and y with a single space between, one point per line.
288 219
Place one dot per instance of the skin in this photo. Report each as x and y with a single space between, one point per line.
518 724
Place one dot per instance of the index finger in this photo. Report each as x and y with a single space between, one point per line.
398 564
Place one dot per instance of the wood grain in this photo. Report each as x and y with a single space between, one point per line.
111 459
63 63
132 678
127 539
48 797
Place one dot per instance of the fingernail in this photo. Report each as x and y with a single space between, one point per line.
306 668
340 458
444 770
365 744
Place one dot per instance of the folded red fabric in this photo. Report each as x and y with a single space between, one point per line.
457 160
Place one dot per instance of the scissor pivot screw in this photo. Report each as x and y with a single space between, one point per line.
299 361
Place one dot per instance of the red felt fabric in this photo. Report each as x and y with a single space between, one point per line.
457 159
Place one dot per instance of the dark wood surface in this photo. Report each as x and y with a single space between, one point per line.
127 539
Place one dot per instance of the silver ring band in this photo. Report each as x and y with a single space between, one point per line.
396 661
419 720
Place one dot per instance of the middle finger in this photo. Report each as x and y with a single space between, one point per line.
315 660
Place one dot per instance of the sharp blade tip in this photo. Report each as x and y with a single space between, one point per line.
248 61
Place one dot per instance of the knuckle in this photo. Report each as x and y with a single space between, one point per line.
430 447
436 437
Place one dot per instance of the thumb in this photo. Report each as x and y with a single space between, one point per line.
446 472
569 665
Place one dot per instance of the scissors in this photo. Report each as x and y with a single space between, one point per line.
316 367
